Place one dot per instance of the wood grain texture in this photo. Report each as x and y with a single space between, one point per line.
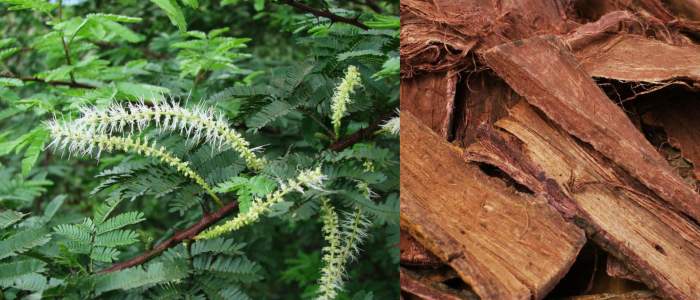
504 244
547 75
635 58
659 245
431 97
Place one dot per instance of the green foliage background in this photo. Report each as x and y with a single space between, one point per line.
270 69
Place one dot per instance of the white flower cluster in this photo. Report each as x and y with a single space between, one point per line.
343 247
308 178
78 140
197 123
393 125
341 97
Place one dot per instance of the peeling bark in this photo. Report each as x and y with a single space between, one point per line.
504 244
548 76
659 245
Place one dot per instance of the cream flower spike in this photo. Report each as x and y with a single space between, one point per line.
197 123
307 178
78 140
343 247
341 97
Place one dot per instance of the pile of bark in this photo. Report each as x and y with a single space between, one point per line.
550 148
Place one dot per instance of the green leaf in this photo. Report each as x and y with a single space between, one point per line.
37 5
384 22
23 241
14 270
174 12
217 246
350 54
4 81
35 145
120 221
5 53
9 217
103 211
104 254
115 18
81 233
117 238
6 42
191 3
155 273
142 90
53 206
390 68
259 5
239 268
269 113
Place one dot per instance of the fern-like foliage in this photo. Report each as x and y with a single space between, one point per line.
99 237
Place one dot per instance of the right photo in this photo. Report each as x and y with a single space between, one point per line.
550 149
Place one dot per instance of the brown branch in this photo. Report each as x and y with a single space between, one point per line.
325 14
183 235
359 135
209 219
54 82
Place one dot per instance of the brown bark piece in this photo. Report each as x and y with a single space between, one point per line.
431 97
504 244
486 99
615 268
411 284
413 253
546 74
635 58
659 245
438 35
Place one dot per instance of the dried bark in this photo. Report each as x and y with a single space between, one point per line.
504 244
542 71
413 253
634 58
522 86
659 245
431 97
424 289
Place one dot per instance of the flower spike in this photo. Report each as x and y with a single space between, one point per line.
309 178
78 141
341 97
197 123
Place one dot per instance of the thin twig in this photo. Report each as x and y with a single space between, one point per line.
318 121
53 82
359 135
66 50
325 14
180 236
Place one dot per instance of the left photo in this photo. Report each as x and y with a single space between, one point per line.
199 149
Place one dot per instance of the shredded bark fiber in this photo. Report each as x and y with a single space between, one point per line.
588 110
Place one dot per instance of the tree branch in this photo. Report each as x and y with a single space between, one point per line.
209 219
325 14
183 235
53 82
359 135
